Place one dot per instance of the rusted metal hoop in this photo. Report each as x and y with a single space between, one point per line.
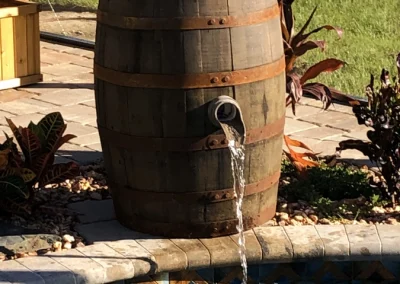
205 197
187 144
196 230
191 81
187 23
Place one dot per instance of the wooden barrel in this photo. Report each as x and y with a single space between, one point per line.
158 65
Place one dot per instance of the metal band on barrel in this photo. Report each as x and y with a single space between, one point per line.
212 196
187 23
190 81
198 230
187 144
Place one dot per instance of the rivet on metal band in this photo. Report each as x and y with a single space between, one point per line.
187 23
206 197
191 81
210 142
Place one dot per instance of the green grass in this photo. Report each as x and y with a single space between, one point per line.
88 4
370 42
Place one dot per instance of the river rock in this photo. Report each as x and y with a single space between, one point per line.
10 245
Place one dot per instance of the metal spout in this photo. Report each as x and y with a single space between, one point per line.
224 112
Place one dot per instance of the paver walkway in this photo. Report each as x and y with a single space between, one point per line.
68 87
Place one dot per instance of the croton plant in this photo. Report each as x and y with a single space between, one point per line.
22 174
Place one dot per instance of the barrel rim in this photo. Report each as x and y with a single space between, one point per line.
188 23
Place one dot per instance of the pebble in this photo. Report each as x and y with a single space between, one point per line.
284 216
294 222
68 238
378 209
298 218
313 217
324 221
57 246
282 223
391 221
67 246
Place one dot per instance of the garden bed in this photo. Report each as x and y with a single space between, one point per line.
300 202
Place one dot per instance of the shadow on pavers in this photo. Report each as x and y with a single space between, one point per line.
55 85
83 158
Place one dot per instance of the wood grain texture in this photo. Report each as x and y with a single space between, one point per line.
176 113
21 47
19 44
7 48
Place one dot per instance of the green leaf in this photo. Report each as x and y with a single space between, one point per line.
14 188
59 173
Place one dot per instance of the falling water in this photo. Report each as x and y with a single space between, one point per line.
237 162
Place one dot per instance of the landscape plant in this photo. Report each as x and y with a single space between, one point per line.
296 45
23 173
382 117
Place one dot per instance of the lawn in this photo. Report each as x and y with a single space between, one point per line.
90 4
370 42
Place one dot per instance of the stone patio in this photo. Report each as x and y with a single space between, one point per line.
119 254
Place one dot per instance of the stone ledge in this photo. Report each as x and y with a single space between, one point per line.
118 253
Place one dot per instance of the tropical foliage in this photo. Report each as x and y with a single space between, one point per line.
382 116
296 45
21 174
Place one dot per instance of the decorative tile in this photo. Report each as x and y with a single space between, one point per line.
329 272
278 273
234 275
372 271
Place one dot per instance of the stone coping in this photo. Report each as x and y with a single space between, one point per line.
118 253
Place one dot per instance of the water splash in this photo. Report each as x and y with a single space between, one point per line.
236 148
237 163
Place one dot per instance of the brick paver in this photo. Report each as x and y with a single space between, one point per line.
68 88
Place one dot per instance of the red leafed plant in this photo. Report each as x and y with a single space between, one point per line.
300 161
296 45
20 173
382 117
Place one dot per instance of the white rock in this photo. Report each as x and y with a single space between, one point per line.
68 238
67 246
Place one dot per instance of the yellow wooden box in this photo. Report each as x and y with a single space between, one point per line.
19 43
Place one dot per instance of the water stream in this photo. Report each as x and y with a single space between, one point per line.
236 149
